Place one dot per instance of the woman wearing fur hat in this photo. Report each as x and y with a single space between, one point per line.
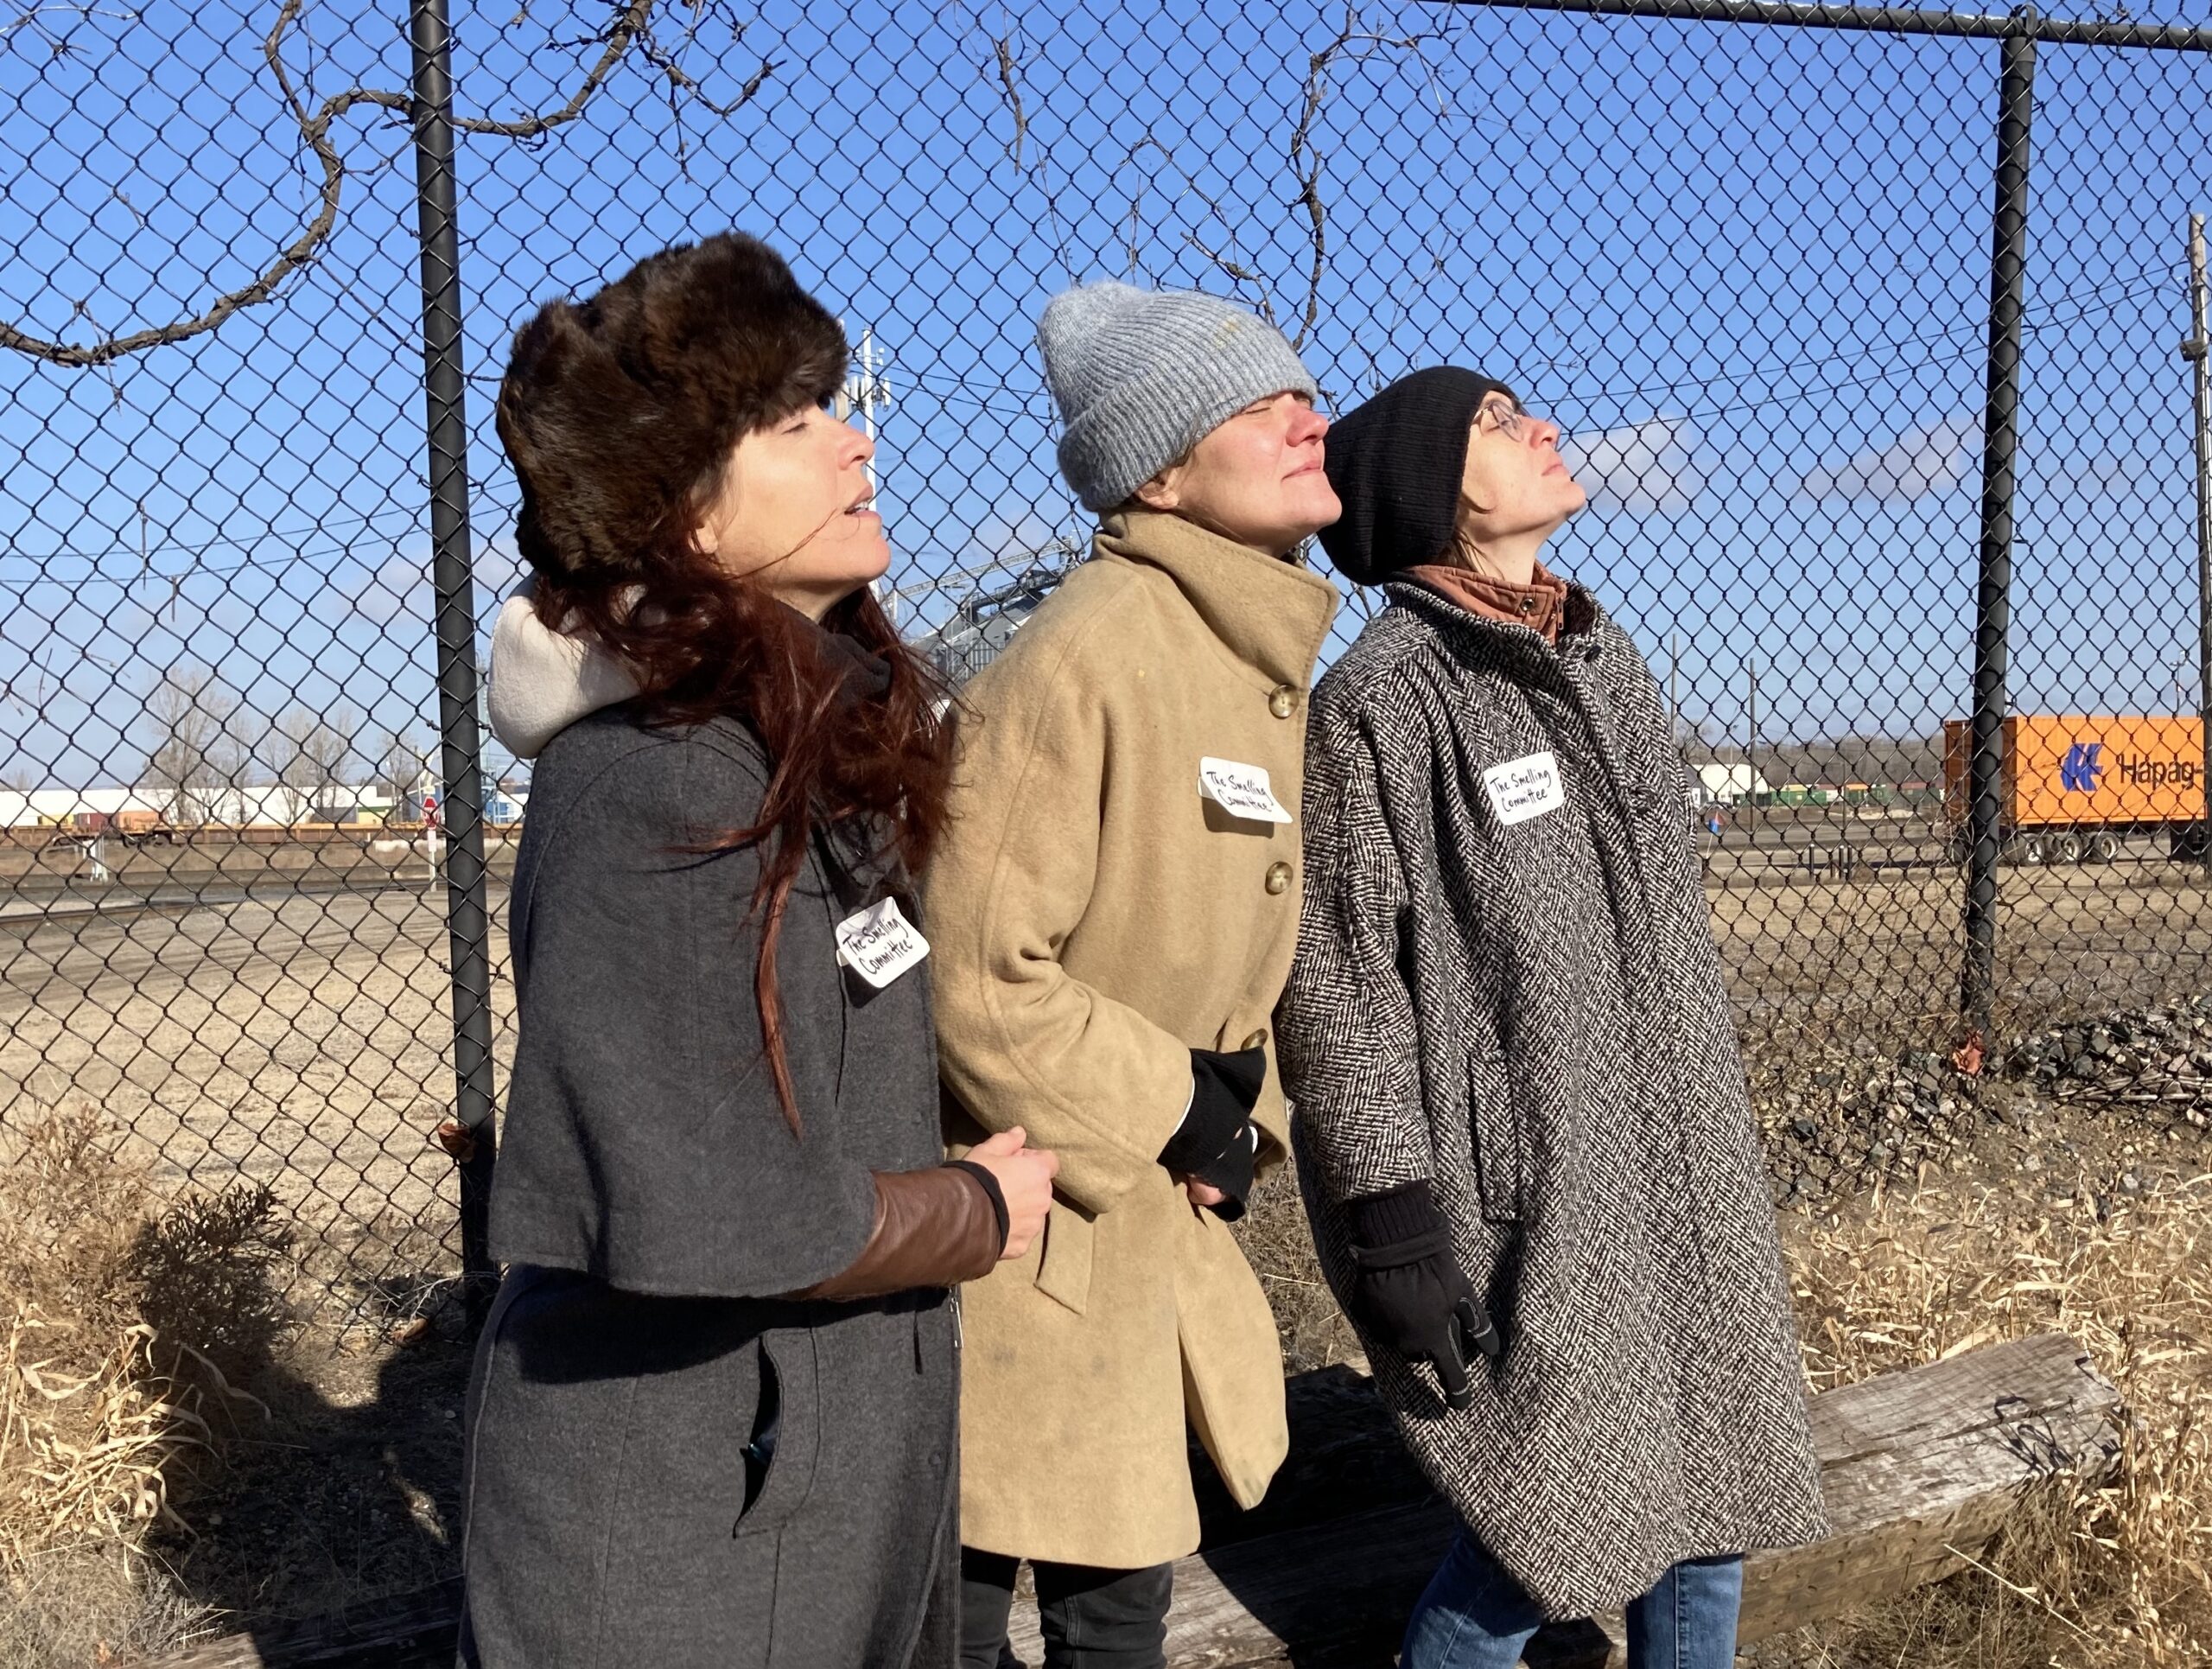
1115 903
713 1417
1521 1125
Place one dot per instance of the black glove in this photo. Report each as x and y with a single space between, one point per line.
1218 1142
1410 1291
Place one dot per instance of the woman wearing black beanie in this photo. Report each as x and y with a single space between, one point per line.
1521 1118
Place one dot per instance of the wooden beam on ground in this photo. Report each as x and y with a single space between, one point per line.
1921 1469
1916 1465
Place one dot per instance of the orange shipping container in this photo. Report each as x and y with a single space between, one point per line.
2082 772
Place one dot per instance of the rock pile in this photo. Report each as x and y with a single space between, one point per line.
2160 1059
1837 1117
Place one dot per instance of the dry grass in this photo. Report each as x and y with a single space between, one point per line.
117 1307
2089 1578
1279 1245
81 1607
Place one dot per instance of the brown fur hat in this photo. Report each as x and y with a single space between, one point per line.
614 410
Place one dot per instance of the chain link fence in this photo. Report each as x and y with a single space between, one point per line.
1864 327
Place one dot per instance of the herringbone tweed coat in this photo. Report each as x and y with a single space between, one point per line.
1530 1014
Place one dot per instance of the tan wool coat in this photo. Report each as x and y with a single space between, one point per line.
1093 919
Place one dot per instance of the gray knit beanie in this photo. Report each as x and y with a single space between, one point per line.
1141 376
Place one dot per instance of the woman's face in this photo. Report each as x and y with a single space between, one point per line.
1515 485
1257 479
795 514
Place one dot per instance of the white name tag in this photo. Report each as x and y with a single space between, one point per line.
1522 788
1241 790
878 944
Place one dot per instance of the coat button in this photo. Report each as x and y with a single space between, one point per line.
1283 702
1258 1040
1278 878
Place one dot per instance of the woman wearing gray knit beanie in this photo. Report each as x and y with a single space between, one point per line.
1114 909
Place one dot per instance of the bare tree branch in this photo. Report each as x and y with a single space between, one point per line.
1009 66
1306 165
1013 97
682 84
745 94
1307 161
630 21
406 764
1239 273
194 757
632 26
1136 199
311 751
32 17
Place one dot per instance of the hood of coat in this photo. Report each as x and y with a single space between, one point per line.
1396 463
542 681
1271 614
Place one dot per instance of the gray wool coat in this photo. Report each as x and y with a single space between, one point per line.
1512 990
669 1465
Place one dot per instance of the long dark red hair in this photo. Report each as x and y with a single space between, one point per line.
705 644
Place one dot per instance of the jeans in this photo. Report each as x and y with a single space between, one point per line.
1092 1619
1473 1616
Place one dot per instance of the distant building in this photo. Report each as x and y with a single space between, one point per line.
1730 785
55 806
264 803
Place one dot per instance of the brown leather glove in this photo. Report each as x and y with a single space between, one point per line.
933 1228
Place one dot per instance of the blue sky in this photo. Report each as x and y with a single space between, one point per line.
1747 268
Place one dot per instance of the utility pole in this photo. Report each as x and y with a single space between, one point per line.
864 392
2201 409
1674 689
1752 744
871 390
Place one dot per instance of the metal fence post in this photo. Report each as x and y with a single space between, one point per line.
467 927
2000 443
2200 423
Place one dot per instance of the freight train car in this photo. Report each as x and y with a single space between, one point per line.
2076 789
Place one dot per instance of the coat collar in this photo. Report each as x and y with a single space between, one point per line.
1580 615
1272 616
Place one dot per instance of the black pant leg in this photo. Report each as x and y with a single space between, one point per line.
1095 1619
986 1598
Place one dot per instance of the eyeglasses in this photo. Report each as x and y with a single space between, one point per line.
1505 416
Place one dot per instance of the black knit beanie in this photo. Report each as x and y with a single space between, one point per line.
1395 462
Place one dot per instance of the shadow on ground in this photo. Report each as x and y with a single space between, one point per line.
347 1490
